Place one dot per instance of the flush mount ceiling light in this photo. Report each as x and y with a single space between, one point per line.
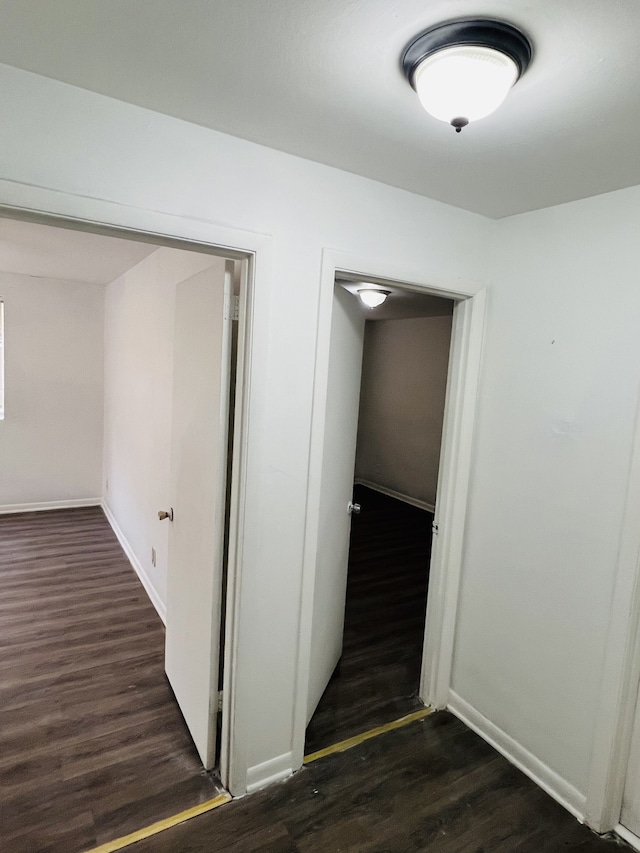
372 296
463 70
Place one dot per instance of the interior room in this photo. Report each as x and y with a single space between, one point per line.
92 374
313 142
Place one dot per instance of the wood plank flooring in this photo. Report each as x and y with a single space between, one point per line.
379 672
92 744
432 786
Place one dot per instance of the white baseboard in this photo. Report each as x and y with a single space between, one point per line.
274 770
397 495
546 778
627 836
145 580
45 505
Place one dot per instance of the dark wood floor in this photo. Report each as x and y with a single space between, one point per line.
92 744
432 786
379 672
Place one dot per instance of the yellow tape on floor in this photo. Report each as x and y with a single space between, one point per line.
379 730
161 825
209 805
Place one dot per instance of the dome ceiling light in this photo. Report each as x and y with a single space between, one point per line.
373 296
463 70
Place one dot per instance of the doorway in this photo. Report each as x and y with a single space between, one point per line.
333 449
134 491
400 410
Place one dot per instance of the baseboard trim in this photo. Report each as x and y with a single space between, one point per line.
627 836
274 770
546 778
145 580
397 495
42 506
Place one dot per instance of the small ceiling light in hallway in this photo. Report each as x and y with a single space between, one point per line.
372 296
463 70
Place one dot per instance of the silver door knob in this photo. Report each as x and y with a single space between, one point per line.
162 514
353 509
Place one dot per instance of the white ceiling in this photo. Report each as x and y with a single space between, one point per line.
43 251
321 79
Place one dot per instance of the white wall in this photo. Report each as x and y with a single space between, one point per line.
51 437
404 380
139 337
556 417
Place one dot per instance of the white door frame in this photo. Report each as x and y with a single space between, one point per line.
453 479
621 668
51 207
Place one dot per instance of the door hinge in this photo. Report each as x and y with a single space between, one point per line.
219 701
435 528
232 307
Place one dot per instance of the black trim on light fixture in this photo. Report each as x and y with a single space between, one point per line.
459 123
478 32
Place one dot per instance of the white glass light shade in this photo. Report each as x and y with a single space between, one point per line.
372 298
464 82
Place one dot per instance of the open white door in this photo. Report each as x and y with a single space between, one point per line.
341 433
198 474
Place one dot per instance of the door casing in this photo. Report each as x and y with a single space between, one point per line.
453 478
254 252
621 670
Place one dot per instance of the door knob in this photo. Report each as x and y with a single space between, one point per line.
162 514
353 508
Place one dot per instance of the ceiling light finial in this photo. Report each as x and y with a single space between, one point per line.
459 123
463 70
